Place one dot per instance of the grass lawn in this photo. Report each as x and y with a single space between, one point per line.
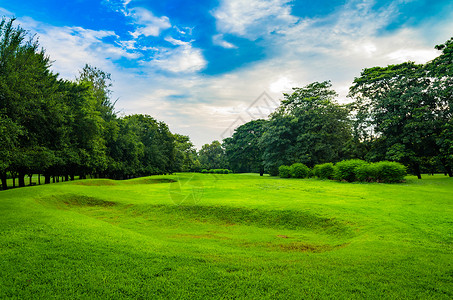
228 236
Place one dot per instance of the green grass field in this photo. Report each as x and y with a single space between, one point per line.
228 236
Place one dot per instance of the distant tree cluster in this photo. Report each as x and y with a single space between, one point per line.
400 113
62 128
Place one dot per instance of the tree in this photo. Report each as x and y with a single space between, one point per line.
27 93
440 71
100 83
212 156
394 104
9 135
309 127
159 145
242 150
185 154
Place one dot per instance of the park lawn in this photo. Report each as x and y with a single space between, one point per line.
198 236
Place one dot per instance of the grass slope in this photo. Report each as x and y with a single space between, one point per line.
227 236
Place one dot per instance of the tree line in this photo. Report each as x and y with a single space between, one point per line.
63 129
400 113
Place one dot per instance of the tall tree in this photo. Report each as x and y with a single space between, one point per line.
100 82
212 156
186 158
243 151
440 71
308 127
27 93
394 103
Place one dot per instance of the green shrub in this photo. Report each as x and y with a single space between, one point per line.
211 171
324 171
284 171
390 172
204 171
346 169
366 172
299 170
226 171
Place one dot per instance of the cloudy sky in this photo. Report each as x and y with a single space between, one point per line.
206 66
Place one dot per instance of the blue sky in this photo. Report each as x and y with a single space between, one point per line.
202 66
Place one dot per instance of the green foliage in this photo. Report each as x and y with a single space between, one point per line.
346 169
367 172
383 171
218 171
242 150
284 171
401 110
212 156
324 171
309 127
299 170
186 158
390 172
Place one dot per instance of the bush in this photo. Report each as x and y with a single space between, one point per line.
299 170
324 171
390 172
366 173
346 169
284 171
226 171
204 171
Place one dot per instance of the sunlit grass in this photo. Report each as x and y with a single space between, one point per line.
202 236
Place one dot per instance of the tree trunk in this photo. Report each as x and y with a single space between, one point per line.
21 179
46 178
449 171
4 181
13 176
30 176
417 171
39 179
261 171
447 168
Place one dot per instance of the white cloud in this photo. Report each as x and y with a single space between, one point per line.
147 24
219 41
184 58
253 18
72 47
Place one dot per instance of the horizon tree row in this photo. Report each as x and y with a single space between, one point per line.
65 128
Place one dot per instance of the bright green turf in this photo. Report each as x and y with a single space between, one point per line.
228 236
